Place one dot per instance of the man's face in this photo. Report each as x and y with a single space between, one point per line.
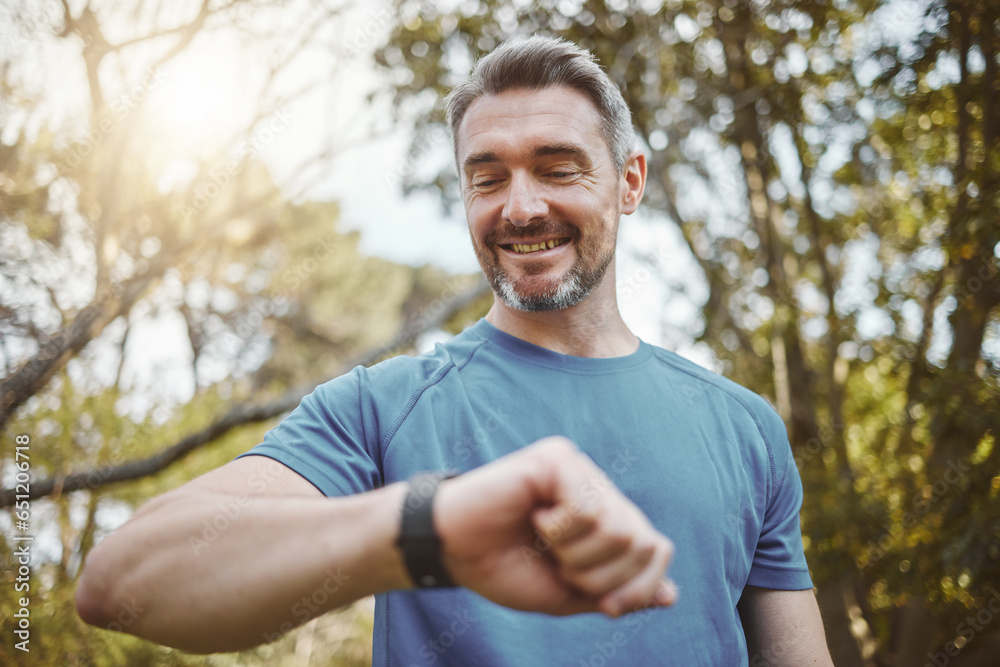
542 195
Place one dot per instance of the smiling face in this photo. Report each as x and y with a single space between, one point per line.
542 195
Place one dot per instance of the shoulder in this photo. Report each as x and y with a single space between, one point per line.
404 371
755 405
710 387
392 385
376 399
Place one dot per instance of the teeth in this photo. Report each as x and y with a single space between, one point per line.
523 248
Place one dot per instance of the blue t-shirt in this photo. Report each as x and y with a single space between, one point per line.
706 460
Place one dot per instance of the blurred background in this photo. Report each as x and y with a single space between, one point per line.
207 208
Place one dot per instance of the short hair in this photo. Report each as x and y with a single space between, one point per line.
541 62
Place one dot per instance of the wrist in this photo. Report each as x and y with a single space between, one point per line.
397 576
419 541
444 508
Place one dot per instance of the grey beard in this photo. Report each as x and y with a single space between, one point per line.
569 293
575 288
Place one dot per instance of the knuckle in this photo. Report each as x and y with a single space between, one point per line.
668 548
586 516
559 444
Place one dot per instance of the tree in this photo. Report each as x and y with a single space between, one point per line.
112 219
836 182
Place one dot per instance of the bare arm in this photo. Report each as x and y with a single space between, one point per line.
240 555
245 552
783 628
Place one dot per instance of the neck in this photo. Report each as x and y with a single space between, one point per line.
591 328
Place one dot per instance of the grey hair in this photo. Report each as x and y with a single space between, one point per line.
540 62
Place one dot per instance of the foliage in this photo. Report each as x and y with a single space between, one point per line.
122 235
833 169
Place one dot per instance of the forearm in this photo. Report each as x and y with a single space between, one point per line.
194 576
783 628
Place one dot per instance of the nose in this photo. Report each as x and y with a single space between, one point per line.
525 201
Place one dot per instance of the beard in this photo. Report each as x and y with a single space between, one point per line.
588 270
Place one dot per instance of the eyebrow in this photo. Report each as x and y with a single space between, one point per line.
484 157
561 149
547 150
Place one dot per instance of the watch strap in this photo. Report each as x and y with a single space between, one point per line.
418 540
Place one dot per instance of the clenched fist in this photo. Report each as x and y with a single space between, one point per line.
600 553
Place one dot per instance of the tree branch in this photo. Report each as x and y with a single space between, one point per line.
186 28
240 415
110 302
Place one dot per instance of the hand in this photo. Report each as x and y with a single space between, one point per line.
544 529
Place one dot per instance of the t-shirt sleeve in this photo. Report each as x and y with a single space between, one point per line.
779 561
324 439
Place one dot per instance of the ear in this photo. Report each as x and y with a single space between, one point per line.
633 181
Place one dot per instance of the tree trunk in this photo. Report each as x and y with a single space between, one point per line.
847 633
912 635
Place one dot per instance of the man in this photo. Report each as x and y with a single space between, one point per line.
559 550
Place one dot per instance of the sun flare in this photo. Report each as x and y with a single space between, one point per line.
203 101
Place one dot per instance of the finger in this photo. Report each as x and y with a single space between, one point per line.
576 603
564 522
648 588
665 594
591 549
609 575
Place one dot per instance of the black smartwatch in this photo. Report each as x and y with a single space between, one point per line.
419 542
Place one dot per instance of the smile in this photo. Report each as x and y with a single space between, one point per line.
525 248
